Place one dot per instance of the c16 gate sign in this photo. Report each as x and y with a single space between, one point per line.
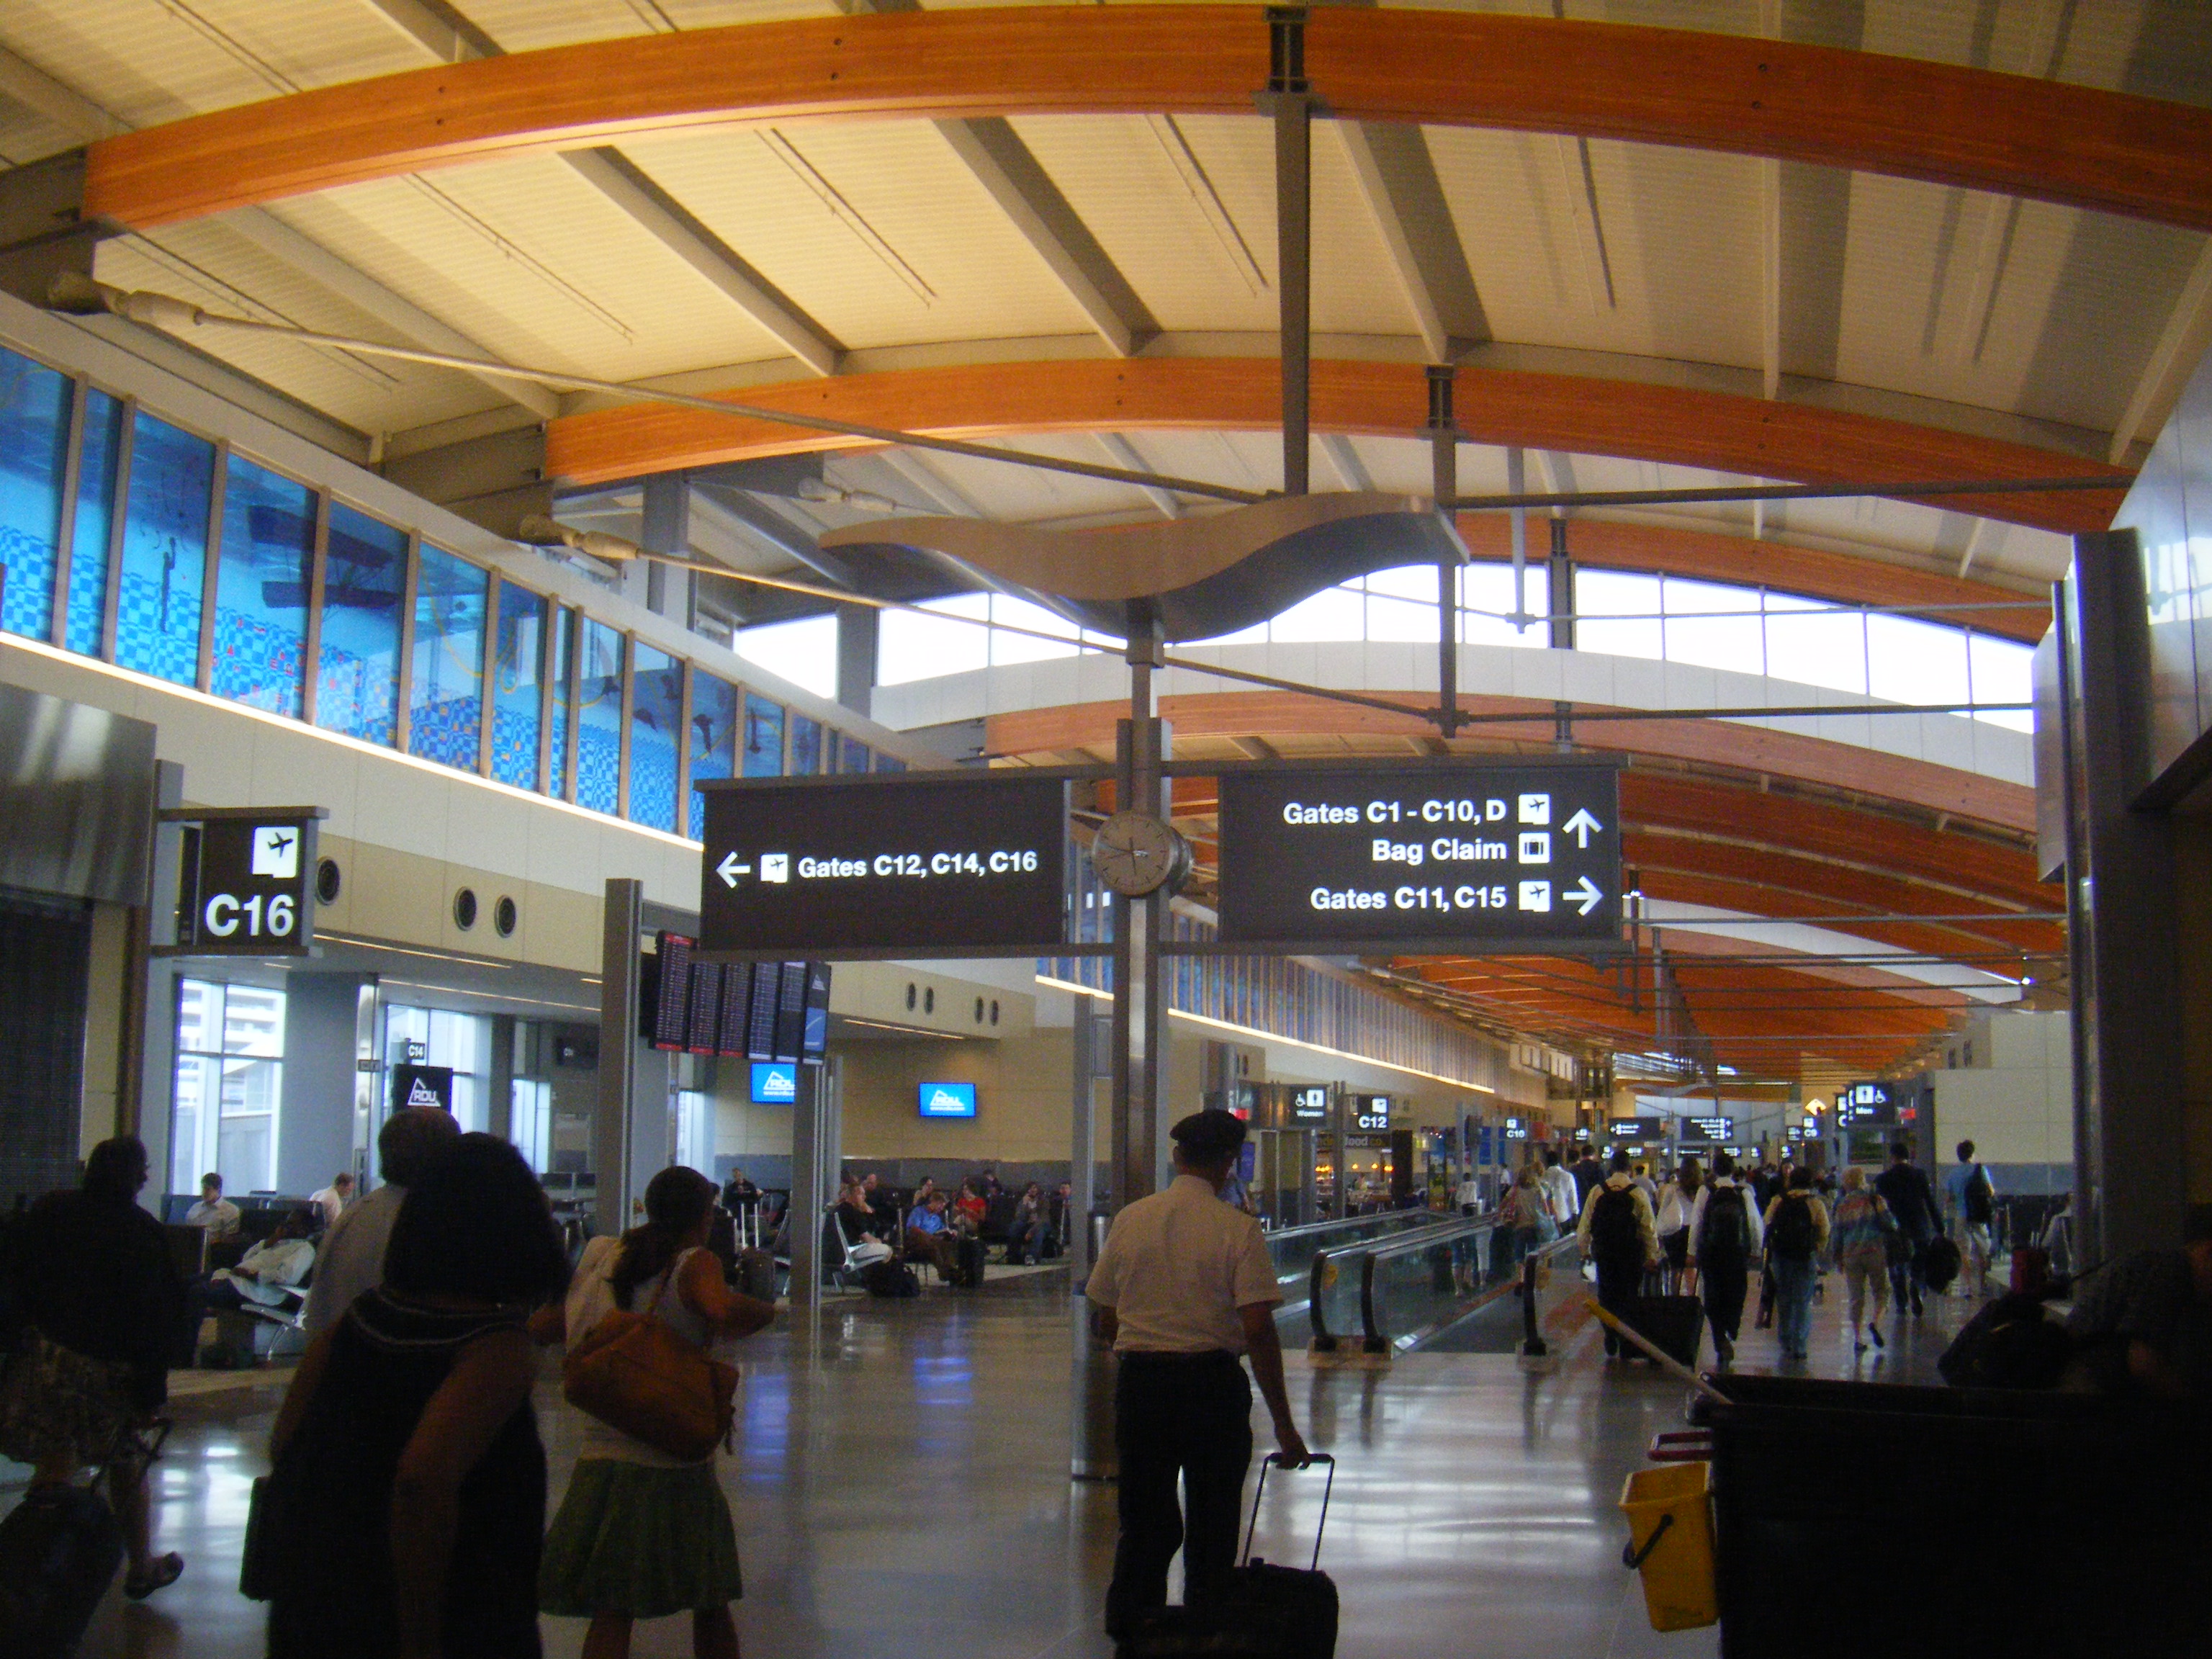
1477 856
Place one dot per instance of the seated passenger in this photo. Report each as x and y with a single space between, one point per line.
332 1200
213 1212
1027 1237
2144 1325
929 1238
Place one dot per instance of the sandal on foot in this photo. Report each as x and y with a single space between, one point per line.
162 1571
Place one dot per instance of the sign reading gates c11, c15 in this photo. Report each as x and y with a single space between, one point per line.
1476 856
884 867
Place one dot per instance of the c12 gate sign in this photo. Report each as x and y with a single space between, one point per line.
1439 857
884 866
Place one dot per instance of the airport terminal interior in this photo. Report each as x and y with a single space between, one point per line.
840 591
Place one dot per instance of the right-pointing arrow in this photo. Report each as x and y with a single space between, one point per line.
1580 826
1588 891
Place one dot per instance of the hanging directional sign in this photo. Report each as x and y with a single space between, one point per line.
1462 856
884 866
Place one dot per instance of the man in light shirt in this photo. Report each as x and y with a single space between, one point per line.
353 1251
213 1212
1182 1289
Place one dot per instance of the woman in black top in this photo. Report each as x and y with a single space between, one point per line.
408 1502
93 1276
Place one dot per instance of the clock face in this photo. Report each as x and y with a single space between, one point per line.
1136 853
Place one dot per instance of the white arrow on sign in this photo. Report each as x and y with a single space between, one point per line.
729 870
1588 891
1580 826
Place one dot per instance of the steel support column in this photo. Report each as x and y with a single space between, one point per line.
1292 99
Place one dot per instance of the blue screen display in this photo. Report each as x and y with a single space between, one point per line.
947 1099
775 1083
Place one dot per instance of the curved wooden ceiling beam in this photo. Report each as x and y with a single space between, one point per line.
2047 140
1680 426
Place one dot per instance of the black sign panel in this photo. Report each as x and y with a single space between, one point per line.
1472 856
248 887
422 1085
888 867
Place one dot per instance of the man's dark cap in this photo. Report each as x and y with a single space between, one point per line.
1209 1133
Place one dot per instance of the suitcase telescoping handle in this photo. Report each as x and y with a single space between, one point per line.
1276 1460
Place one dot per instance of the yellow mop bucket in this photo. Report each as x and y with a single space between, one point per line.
1670 1532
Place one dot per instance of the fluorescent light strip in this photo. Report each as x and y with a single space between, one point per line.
1272 1036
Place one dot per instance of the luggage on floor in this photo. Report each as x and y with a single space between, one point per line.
892 1280
756 1270
1267 1612
1942 1265
968 1263
59 1550
1674 1324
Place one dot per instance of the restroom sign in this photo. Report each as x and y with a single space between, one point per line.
245 881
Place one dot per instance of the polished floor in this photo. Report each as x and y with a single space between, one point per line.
902 1486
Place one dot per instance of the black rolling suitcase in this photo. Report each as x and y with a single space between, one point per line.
1674 1324
59 1550
968 1263
1267 1612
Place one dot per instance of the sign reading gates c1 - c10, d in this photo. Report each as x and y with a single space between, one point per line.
247 882
1477 854
884 866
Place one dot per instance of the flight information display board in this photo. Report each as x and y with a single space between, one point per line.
969 864
1470 856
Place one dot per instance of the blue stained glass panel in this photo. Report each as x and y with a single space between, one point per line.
164 552
713 739
357 679
518 672
34 418
444 682
564 674
598 718
261 589
96 521
763 737
856 755
805 745
655 728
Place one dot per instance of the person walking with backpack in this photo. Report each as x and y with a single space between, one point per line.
1796 1233
1724 1238
1904 1187
1974 1199
1863 1226
1616 1231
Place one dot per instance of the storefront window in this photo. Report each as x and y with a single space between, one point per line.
598 718
165 531
261 589
357 689
34 416
230 1078
713 739
444 685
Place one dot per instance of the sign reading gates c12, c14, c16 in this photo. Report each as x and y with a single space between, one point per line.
1475 855
884 867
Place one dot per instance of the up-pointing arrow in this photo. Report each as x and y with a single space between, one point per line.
1588 891
1579 827
729 870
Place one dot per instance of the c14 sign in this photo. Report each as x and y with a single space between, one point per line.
1471 854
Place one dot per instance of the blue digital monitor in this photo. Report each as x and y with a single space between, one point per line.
775 1083
948 1099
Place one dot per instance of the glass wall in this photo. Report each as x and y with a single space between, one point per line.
154 585
655 728
34 431
164 571
444 695
763 737
357 681
713 739
599 717
518 680
230 1085
261 592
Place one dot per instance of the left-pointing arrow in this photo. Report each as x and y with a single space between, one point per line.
729 870
1589 892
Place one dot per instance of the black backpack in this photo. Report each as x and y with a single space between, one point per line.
1614 1234
1980 1198
1791 1236
1722 1237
